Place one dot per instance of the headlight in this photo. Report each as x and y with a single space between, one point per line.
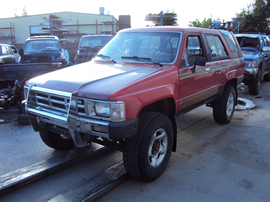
116 111
251 64
102 109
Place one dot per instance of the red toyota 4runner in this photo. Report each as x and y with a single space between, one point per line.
128 96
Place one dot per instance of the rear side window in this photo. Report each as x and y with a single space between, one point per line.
232 44
216 48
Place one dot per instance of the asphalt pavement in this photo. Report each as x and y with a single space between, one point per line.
212 163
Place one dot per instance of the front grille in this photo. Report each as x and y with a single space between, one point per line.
49 101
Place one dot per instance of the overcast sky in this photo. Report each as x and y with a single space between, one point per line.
187 10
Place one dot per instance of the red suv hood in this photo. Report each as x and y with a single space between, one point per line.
92 79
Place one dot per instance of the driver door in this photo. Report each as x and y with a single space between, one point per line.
193 86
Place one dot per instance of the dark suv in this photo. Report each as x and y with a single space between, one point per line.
256 52
40 49
89 46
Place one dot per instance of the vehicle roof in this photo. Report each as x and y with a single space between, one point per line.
171 29
250 35
42 37
94 35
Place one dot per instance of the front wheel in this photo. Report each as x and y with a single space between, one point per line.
223 107
254 85
55 140
146 155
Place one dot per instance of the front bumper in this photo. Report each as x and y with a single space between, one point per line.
250 73
78 126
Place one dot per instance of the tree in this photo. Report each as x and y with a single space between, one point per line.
16 13
204 24
255 18
24 12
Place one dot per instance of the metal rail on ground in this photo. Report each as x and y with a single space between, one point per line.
26 175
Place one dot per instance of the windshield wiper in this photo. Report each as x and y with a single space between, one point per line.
107 57
142 58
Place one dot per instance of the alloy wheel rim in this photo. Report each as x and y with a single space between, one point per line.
230 105
158 148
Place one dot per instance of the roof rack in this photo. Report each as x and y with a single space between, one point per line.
44 36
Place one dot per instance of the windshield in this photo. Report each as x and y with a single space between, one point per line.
94 41
248 43
159 47
42 46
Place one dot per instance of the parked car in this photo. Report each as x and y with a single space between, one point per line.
256 52
128 96
7 55
41 49
89 46
40 54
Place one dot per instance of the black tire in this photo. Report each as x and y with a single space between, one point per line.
146 155
223 107
266 77
55 140
254 85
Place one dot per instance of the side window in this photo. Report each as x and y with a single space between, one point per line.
217 49
232 44
14 49
9 50
193 48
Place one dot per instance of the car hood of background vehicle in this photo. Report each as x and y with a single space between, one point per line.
90 50
250 55
43 57
92 79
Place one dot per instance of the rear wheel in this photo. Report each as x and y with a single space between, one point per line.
223 108
146 155
55 140
254 85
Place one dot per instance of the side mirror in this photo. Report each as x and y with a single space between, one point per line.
199 60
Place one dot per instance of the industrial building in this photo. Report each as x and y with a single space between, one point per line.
68 25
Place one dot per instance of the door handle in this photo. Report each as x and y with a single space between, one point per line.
207 69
